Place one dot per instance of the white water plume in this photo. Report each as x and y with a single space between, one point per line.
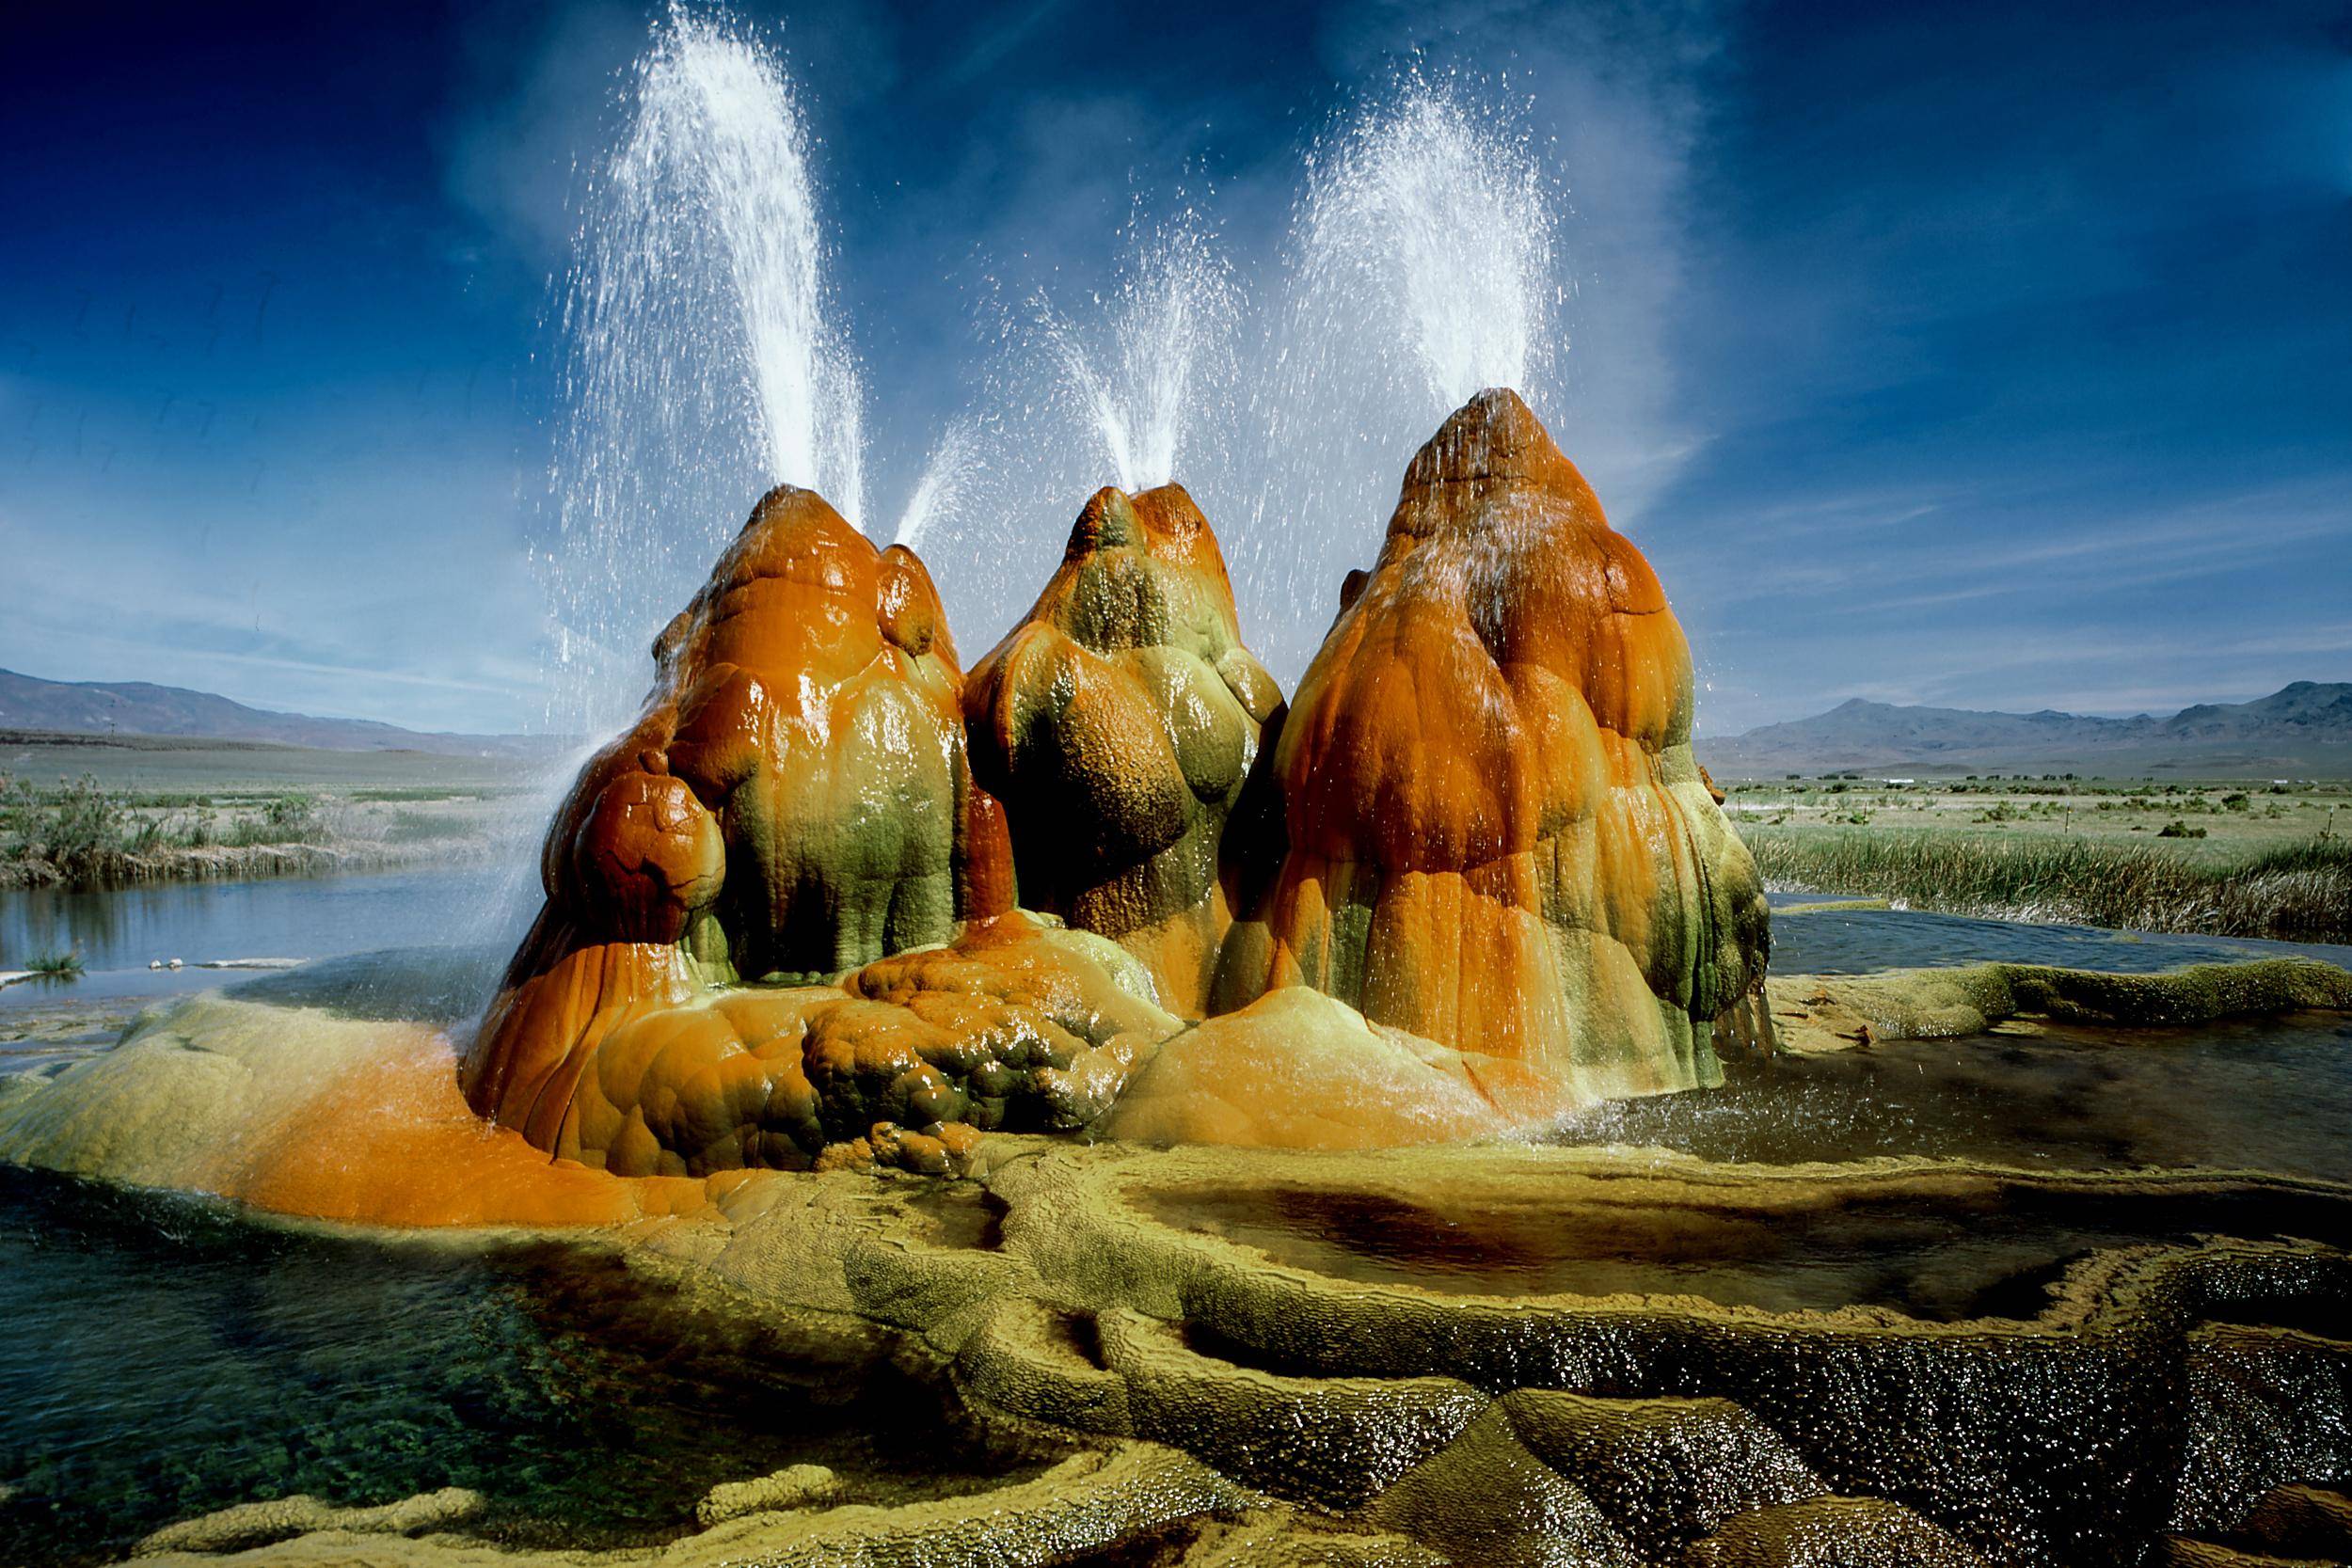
943 487
703 365
1146 366
1420 269
1434 220
1133 383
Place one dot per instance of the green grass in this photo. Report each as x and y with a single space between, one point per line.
2292 892
422 827
56 966
87 836
428 793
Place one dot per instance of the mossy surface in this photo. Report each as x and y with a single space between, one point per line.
1829 1012
1224 1399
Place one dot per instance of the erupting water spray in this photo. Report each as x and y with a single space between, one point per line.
1158 353
941 489
703 362
1131 383
1434 219
1422 268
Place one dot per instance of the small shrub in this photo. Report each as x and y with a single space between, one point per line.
78 828
284 819
2177 829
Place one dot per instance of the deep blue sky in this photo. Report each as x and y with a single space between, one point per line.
1975 354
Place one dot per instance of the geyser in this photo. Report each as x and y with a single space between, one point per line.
1117 723
792 802
1470 882
1436 221
1158 360
1420 266
1491 832
703 361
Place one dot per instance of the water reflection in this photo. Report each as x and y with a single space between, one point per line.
1940 1248
229 1363
2268 1094
119 933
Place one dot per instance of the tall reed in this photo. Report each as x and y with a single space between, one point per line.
2297 893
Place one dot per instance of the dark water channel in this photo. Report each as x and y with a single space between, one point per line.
163 1359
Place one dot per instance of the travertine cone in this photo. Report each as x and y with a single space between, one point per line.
1488 829
1117 723
792 798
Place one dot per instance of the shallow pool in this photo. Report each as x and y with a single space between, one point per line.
2247 1094
119 933
1939 1247
163 1359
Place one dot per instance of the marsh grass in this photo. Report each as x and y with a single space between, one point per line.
424 826
2299 892
82 834
56 966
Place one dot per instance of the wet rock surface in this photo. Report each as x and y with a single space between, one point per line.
1486 826
1481 836
1500 1354
1118 723
792 802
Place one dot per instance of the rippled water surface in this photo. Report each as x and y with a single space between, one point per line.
2245 1094
1940 1249
163 1359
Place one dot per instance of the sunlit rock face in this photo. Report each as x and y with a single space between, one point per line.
1018 1024
792 803
1117 723
1489 829
1479 835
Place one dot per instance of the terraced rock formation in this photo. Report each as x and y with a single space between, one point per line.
1494 1354
1224 1406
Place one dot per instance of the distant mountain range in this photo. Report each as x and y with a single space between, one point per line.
2302 731
139 708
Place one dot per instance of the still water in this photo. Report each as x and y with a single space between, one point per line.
474 910
1855 941
163 1359
2237 1094
1958 1248
119 933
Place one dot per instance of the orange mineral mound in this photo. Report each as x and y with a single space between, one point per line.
1117 723
300 1111
780 926
1487 828
792 802
1017 1025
